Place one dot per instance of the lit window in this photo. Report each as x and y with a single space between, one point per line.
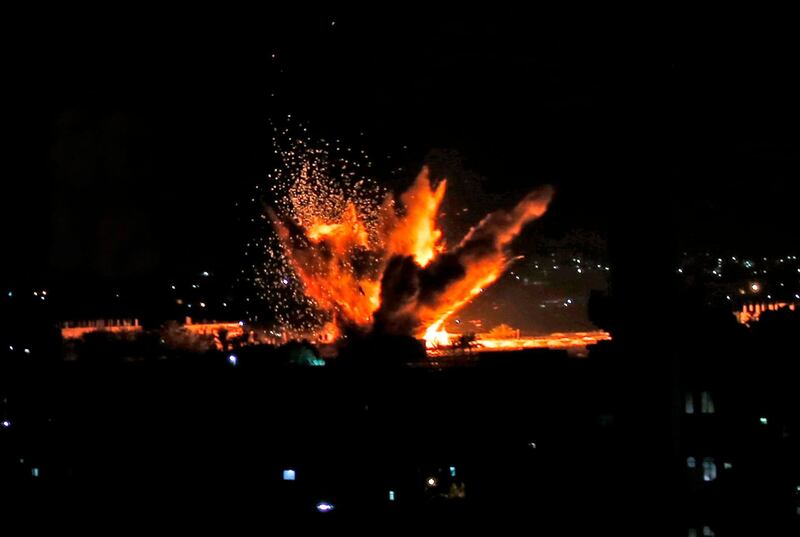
706 403
288 475
391 495
692 532
35 472
709 469
707 532
689 405
452 471
691 462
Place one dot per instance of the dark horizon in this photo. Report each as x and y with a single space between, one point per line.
126 155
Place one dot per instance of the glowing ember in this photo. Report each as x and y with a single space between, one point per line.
369 262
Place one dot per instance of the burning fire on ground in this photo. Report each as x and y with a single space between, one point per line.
556 340
381 264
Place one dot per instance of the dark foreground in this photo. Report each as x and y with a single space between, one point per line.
532 438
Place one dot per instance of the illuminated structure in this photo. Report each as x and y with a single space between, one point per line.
752 312
77 329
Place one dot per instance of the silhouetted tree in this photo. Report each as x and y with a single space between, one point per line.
466 341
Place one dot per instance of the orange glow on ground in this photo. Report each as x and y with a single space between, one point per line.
556 340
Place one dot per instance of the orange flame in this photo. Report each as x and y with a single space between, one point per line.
416 232
341 260
436 336
484 268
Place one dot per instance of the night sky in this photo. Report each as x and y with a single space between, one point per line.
126 143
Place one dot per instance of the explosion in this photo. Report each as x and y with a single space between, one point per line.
370 262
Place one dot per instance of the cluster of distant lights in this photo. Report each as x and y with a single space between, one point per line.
576 264
755 268
201 303
41 294
748 264
431 482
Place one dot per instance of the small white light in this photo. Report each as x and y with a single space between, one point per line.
27 351
232 359
391 495
324 507
532 445
431 481
202 304
763 421
5 423
205 273
11 347
289 475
